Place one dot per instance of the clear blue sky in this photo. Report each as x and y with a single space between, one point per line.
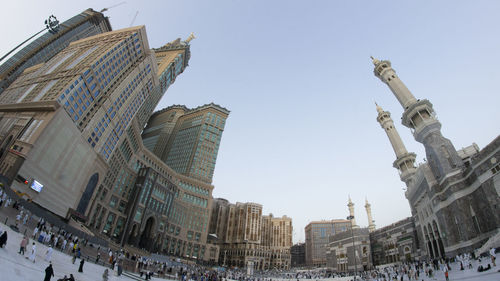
298 80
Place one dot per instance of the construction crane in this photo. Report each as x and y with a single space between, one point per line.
116 5
133 20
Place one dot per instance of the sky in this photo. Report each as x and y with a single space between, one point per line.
297 77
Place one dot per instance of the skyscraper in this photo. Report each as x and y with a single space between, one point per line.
85 24
187 139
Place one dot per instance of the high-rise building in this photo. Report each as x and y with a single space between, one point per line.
277 236
454 196
248 239
70 129
85 24
64 119
187 139
317 233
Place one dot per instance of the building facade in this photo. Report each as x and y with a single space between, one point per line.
247 239
85 24
395 243
317 233
71 127
454 196
349 251
298 255
187 140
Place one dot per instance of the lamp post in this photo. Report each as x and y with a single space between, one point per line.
353 247
52 24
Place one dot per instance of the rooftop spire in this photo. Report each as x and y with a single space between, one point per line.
190 37
374 60
379 109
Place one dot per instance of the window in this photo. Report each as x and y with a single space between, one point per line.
113 201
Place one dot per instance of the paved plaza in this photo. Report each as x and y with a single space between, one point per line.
14 266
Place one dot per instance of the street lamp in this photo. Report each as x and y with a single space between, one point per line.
52 24
353 247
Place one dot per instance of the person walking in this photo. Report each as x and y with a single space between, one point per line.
80 269
35 231
493 256
33 253
3 239
23 245
49 272
48 254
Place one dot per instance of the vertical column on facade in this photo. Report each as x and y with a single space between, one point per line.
430 235
439 241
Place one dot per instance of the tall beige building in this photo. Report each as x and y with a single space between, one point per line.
277 235
317 233
248 239
71 127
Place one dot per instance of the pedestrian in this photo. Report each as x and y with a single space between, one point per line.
105 275
23 245
80 269
97 258
48 254
33 253
3 239
71 278
493 256
49 272
35 231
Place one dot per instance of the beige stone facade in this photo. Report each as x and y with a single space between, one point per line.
248 239
73 124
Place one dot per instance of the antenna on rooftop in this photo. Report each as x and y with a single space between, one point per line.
116 5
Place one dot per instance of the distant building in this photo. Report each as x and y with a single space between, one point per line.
317 233
249 240
277 237
298 253
349 251
85 24
454 196
395 243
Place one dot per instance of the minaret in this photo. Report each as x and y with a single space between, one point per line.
351 213
371 224
419 116
405 162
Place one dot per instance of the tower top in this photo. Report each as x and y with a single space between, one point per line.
366 202
190 37
374 60
379 109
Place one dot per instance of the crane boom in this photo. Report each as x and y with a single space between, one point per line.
133 20
116 5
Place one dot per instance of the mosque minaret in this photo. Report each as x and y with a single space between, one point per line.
371 223
405 162
419 116
351 213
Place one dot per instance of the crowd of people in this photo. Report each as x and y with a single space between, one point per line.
146 266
